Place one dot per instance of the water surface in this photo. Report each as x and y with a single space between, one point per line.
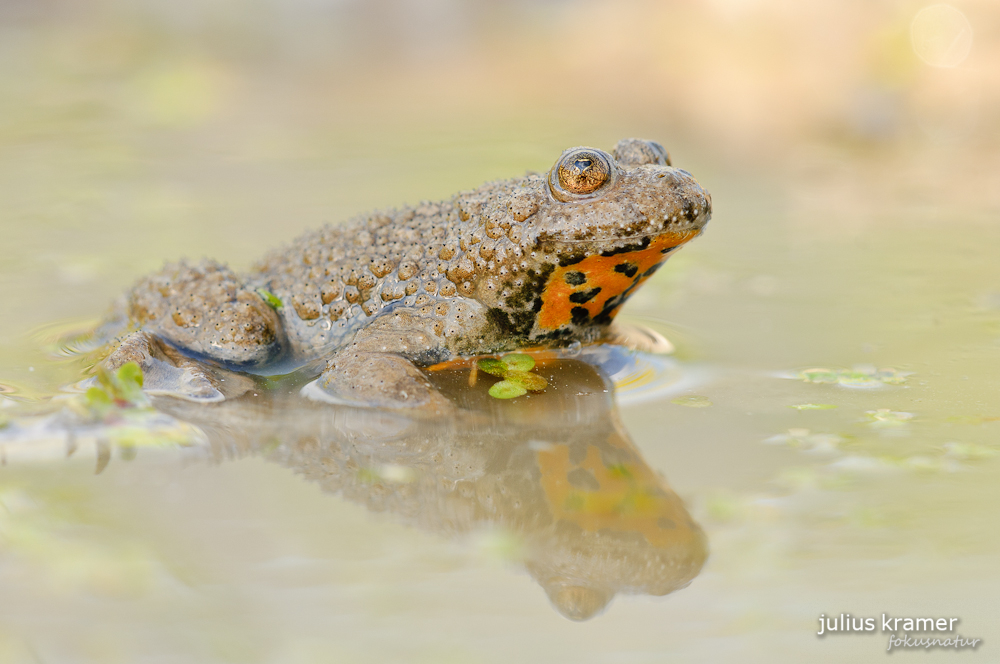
830 423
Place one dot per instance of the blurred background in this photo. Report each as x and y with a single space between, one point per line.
132 132
851 147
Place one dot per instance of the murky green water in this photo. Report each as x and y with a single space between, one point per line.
830 423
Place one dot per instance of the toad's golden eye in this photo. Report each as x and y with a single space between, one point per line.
581 172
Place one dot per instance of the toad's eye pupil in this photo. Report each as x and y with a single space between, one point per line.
583 164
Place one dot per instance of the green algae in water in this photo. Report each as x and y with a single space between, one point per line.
518 362
819 375
529 381
506 389
857 377
805 439
692 401
119 390
883 417
515 369
492 366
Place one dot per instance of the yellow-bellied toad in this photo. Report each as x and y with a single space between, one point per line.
536 260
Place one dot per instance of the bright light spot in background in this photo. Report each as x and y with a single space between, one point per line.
941 36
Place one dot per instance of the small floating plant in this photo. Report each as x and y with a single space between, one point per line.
516 373
115 391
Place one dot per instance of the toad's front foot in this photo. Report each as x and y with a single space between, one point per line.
377 380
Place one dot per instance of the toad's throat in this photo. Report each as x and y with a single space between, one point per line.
592 290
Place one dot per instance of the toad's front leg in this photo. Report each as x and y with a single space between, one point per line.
377 369
377 380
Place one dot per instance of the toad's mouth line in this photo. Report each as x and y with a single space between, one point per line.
681 234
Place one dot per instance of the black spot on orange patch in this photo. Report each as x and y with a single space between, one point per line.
628 269
575 278
582 297
599 271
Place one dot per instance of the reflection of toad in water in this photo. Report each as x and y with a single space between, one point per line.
557 470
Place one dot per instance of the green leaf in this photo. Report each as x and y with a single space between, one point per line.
519 362
97 401
123 389
128 381
529 381
506 390
492 366
96 397
272 300
105 380
130 374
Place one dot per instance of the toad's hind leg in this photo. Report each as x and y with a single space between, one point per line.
166 372
207 309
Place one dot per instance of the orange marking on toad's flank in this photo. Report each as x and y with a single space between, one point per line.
629 496
599 273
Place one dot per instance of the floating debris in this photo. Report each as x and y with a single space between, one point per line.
804 439
883 417
692 401
859 376
813 406
969 451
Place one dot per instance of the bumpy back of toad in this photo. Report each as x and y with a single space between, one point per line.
551 258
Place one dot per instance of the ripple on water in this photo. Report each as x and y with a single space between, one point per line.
68 339
639 377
